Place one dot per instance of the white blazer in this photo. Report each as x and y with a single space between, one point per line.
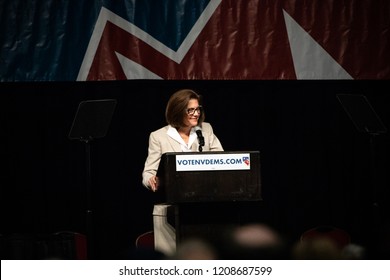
160 142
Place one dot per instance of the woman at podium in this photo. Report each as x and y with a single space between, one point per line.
185 131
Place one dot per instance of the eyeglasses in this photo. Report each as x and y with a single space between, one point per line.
191 111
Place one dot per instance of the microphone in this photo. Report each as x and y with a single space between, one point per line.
198 131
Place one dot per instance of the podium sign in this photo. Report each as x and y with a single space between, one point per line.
210 176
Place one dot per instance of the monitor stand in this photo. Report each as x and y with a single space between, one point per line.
92 120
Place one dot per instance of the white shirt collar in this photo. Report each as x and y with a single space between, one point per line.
174 134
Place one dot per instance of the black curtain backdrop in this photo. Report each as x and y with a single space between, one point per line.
315 165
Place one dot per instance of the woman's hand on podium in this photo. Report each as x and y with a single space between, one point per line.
154 183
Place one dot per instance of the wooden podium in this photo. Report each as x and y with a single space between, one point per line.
209 190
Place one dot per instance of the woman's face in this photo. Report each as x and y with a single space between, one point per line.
193 113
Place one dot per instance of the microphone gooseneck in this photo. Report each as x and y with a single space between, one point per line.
198 131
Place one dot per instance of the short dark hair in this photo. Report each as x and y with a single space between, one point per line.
176 109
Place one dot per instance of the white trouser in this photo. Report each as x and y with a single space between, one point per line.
164 232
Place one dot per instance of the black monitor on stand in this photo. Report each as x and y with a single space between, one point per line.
92 120
366 121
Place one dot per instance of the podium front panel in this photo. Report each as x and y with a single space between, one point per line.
211 182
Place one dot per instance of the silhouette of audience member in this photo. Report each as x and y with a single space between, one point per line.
318 248
353 252
339 236
195 249
253 242
322 243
